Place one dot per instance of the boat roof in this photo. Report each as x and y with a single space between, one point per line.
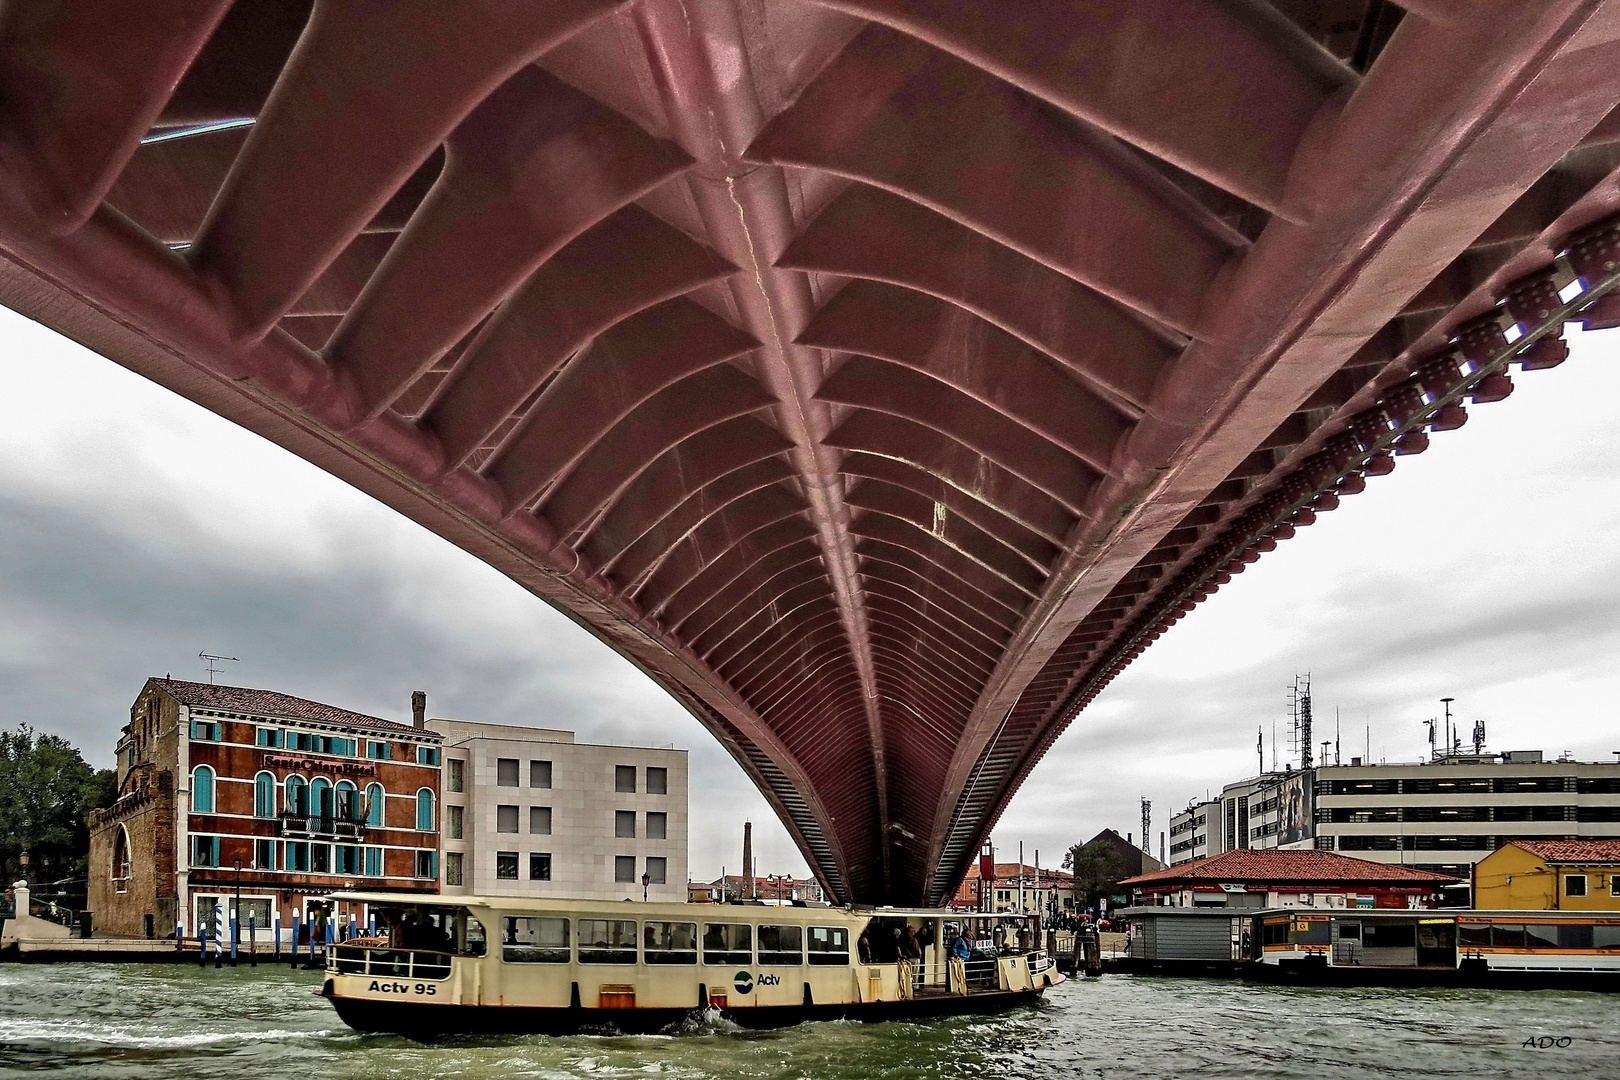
666 909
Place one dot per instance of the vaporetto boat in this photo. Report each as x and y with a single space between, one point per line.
508 965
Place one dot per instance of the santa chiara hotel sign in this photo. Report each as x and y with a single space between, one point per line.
326 765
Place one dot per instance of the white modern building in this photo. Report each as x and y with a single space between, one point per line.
1448 813
531 812
1270 810
1442 815
1195 833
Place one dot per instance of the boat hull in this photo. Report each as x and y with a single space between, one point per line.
420 1020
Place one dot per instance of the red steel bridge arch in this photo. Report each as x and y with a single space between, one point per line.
881 376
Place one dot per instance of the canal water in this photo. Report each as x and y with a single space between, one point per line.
166 1023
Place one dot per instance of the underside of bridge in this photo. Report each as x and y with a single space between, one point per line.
881 376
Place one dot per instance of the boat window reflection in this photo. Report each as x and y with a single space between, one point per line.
728 944
607 941
669 942
534 940
781 946
829 946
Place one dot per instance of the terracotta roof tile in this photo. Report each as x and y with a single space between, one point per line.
283 706
1308 867
1573 851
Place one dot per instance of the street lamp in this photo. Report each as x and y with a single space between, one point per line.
646 879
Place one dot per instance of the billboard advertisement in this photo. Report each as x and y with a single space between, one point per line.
1296 821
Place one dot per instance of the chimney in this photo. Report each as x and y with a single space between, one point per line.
419 708
748 859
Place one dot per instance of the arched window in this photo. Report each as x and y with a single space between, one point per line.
121 860
202 790
424 810
347 810
374 805
297 796
320 797
264 795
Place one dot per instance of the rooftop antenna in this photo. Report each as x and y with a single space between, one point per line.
1337 729
1431 721
1479 736
1147 823
212 659
1299 713
1325 744
1451 741
1273 746
1260 748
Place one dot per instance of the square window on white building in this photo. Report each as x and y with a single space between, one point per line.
452 868
455 775
624 823
657 780
624 868
454 822
506 819
540 866
624 778
506 863
506 772
539 774
657 869
657 825
540 820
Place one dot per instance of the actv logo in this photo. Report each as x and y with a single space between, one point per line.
743 982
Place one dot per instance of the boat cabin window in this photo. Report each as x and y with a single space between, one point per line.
1606 936
669 942
1540 936
1389 936
1473 935
781 946
829 946
1313 932
433 928
534 940
728 944
1507 937
1350 931
607 941
1574 937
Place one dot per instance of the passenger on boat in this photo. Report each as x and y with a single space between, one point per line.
961 948
911 948
863 946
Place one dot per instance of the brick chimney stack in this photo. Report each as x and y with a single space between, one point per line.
748 859
419 708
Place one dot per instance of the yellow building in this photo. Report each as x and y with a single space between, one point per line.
1549 875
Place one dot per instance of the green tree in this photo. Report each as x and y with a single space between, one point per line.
1097 869
46 794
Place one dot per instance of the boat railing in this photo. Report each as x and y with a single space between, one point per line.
381 960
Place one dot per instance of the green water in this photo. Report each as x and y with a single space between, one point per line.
110 1021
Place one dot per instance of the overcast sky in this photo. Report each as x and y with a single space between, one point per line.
137 530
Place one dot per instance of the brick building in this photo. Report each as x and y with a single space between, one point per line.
306 797
1017 887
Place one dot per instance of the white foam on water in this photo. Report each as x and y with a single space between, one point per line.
81 1031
